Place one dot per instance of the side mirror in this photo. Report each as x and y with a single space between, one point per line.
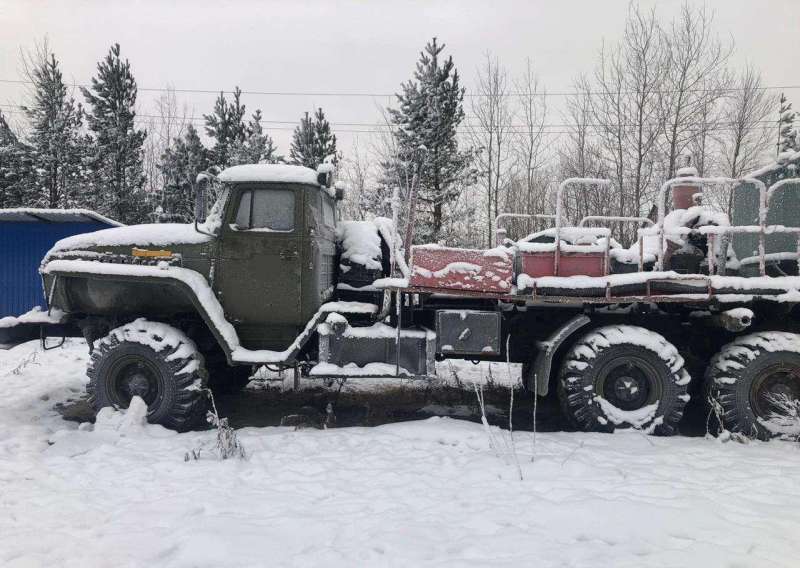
325 174
200 198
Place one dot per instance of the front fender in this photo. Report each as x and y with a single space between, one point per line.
188 283
538 375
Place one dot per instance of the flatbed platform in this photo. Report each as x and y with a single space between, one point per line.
654 287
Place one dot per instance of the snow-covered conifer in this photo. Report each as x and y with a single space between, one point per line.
256 147
324 139
225 125
313 142
14 167
180 164
302 148
787 134
117 151
55 146
426 121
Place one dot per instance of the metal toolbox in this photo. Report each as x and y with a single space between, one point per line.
468 332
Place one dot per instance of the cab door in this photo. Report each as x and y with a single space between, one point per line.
258 279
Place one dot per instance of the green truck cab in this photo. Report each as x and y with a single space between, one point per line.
273 256
267 250
239 286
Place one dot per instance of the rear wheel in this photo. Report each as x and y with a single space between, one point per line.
155 362
623 376
756 381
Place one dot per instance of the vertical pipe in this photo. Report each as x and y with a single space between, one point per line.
499 236
711 253
798 254
662 196
399 323
762 222
395 248
641 253
412 207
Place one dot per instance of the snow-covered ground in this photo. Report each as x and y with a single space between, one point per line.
425 493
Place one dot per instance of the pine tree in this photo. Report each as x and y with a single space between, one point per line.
117 150
257 146
225 125
56 146
7 136
324 139
302 149
430 110
313 142
180 164
787 134
15 167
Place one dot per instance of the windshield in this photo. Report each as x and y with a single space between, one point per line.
218 192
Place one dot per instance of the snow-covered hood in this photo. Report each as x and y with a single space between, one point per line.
160 234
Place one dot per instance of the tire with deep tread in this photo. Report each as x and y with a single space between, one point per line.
660 378
735 373
177 399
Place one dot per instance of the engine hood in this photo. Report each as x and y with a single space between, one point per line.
140 236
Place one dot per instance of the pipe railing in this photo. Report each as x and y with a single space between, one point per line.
500 232
713 232
615 219
559 197
657 229
622 219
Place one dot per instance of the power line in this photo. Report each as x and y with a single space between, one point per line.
383 127
384 95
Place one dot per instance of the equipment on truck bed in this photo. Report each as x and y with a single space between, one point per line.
272 276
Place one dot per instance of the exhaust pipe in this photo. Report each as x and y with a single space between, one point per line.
735 320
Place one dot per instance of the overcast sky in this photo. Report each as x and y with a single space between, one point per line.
353 46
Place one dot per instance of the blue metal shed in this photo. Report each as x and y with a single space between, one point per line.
25 236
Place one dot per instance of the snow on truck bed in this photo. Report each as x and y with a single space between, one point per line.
427 493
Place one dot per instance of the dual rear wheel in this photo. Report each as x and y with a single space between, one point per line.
755 384
623 376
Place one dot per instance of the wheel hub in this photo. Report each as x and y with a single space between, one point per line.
626 388
777 384
627 384
137 385
134 376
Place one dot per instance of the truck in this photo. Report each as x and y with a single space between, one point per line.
695 306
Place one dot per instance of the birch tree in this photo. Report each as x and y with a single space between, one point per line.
491 135
694 81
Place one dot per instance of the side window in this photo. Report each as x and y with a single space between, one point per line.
243 215
328 212
266 210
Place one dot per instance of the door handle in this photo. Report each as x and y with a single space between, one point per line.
289 254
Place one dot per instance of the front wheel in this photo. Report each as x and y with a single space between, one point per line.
155 362
623 376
